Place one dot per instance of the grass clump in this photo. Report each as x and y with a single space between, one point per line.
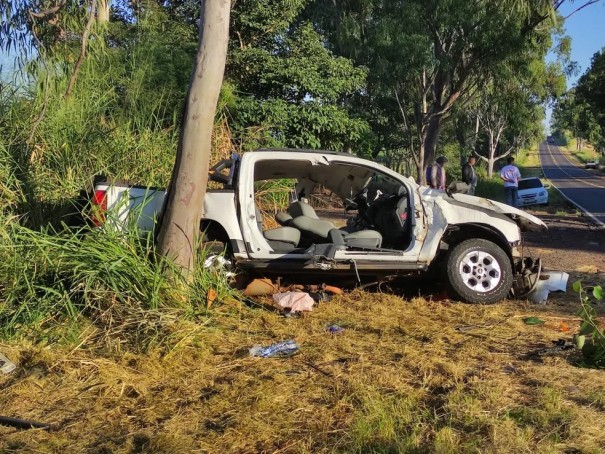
106 278
387 421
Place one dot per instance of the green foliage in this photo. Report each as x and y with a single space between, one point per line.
95 276
591 338
582 109
292 91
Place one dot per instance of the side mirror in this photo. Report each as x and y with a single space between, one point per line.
546 186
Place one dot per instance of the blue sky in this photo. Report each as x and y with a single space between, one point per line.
587 31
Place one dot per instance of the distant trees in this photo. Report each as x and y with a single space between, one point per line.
427 57
582 109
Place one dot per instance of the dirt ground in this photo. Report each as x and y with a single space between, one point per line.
406 375
572 243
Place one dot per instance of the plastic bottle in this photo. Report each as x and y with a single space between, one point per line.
281 349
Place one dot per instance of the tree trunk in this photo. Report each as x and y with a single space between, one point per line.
491 153
180 225
420 166
103 11
430 139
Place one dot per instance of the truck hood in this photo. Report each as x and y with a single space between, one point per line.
526 221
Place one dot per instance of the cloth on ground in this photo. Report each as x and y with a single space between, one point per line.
294 301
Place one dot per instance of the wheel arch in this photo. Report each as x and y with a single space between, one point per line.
213 231
457 233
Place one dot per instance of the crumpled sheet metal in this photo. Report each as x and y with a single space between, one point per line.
556 282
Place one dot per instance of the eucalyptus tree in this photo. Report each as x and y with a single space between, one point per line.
590 99
433 54
180 224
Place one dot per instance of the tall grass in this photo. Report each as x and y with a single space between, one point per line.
104 277
121 120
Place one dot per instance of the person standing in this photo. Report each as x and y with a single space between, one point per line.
438 177
510 175
469 175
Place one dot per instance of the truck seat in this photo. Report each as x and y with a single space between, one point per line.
281 239
314 230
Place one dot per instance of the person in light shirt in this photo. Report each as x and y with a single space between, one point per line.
510 175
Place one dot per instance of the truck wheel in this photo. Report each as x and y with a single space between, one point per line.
479 272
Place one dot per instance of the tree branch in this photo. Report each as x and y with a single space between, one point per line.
47 12
588 3
405 123
85 34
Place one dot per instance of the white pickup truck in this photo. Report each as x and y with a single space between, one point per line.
399 228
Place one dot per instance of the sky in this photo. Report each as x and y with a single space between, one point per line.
587 31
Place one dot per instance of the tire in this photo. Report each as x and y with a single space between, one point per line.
478 272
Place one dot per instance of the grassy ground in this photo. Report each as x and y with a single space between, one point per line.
404 376
580 156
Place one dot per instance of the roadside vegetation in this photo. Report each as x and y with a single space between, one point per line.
120 358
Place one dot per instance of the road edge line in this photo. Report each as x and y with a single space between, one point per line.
584 210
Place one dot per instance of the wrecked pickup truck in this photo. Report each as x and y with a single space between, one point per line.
399 228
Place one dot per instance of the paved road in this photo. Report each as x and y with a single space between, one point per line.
583 187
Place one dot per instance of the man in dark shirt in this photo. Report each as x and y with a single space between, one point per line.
469 175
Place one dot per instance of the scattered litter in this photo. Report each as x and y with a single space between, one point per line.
6 365
293 301
210 297
320 297
533 321
334 329
260 287
561 346
564 327
219 263
279 350
554 281
22 423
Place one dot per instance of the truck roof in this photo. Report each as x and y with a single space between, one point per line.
304 150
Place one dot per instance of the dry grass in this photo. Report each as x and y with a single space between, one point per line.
400 378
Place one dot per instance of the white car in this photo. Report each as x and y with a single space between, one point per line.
592 164
532 192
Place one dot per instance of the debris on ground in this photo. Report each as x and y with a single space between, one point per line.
561 347
22 423
210 297
219 263
264 286
533 321
6 365
293 301
279 350
334 329
553 281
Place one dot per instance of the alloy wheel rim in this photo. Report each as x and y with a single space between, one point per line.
480 271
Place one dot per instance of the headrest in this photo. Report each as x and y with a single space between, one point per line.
297 209
283 218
